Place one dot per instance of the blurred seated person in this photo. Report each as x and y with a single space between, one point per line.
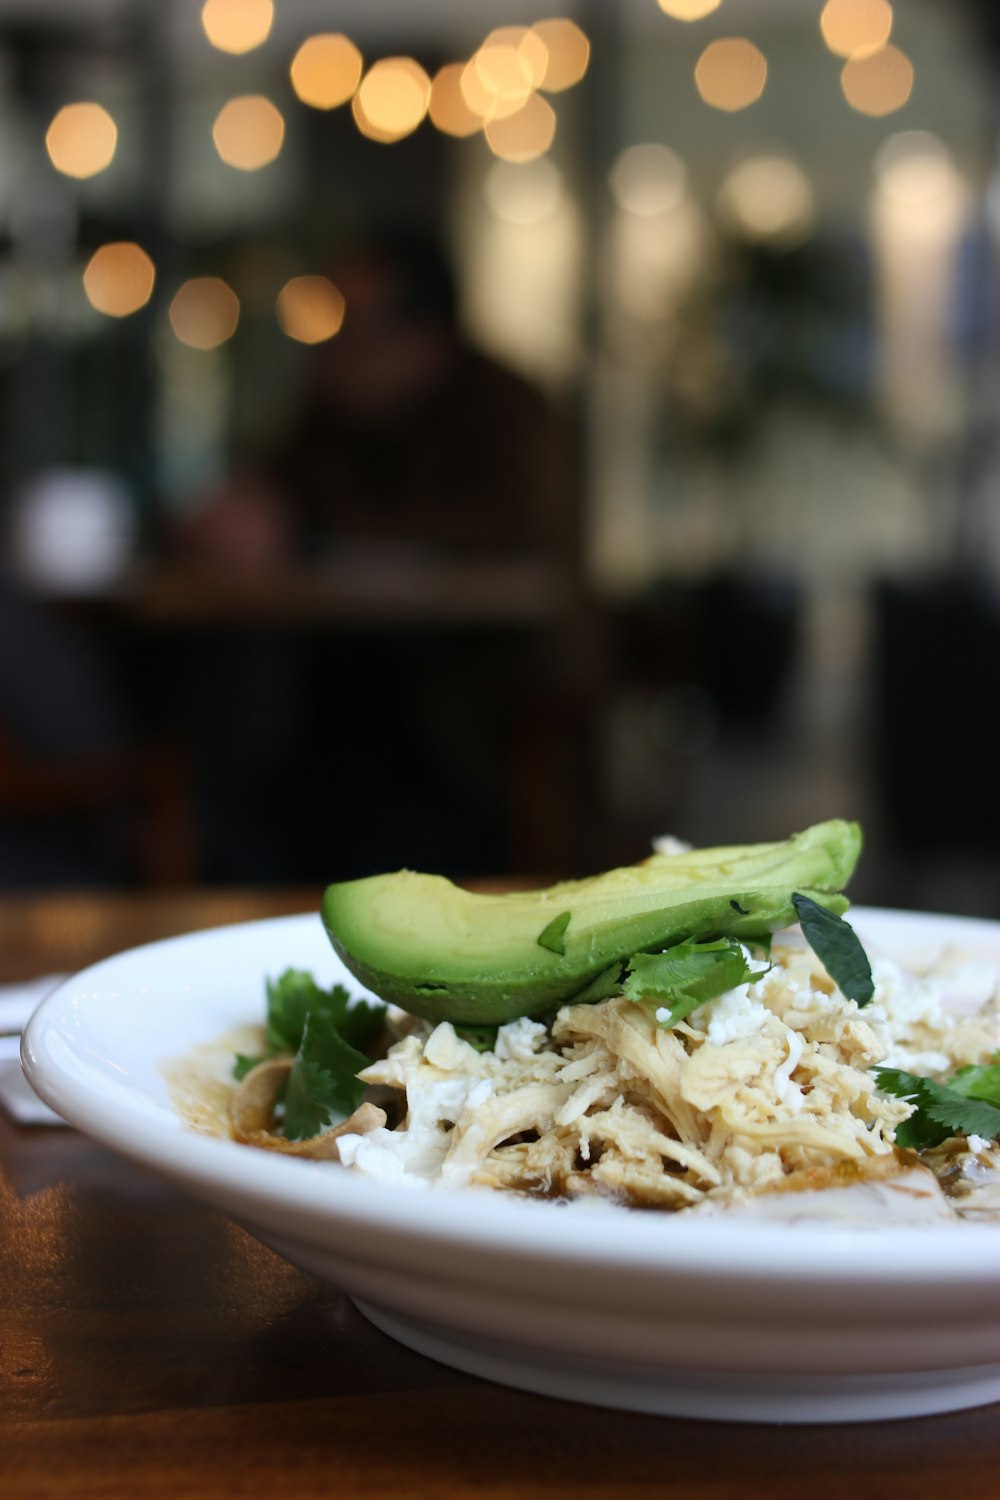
408 441
407 438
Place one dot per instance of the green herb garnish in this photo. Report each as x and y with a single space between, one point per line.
295 995
979 1081
942 1110
323 1083
244 1064
838 948
326 1033
685 976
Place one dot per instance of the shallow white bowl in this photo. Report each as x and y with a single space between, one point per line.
710 1318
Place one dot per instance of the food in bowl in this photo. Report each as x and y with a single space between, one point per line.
698 1033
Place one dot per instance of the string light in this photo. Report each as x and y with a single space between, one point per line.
310 309
688 10
525 135
392 100
730 74
237 26
533 51
326 70
81 140
448 109
568 53
880 84
856 28
119 279
484 101
505 73
248 132
204 312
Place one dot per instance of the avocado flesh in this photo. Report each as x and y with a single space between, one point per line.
449 954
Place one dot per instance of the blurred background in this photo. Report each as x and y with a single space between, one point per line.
479 439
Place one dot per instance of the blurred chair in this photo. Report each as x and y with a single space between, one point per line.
84 796
134 807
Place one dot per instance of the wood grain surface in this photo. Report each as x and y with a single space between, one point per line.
151 1347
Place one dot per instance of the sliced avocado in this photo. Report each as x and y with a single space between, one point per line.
450 954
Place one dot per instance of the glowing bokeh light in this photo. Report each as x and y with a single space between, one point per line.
856 28
768 197
523 194
914 167
688 10
204 312
392 100
880 84
534 54
310 309
448 108
81 140
248 132
482 100
647 180
326 70
731 73
523 136
568 52
119 279
504 71
237 26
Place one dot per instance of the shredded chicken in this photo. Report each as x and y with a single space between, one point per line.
766 1087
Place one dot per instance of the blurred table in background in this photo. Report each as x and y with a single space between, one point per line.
62 931
357 588
151 1347
456 693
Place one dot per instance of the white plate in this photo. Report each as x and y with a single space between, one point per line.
652 1312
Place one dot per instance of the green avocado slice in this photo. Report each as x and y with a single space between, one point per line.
449 954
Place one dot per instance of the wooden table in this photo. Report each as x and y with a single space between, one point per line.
150 1347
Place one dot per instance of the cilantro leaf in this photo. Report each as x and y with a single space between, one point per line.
359 1024
940 1109
295 995
553 936
289 999
838 948
685 976
979 1081
243 1065
323 1084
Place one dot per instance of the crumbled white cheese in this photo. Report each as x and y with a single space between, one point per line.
732 1016
925 1022
386 1156
433 1106
519 1040
445 1049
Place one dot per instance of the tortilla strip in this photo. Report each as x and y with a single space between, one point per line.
251 1114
